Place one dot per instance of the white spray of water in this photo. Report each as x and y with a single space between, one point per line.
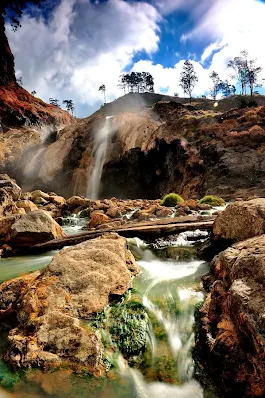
30 168
99 150
44 131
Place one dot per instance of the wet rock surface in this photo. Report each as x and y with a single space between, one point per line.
230 341
52 305
240 220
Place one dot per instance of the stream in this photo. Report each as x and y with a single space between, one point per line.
169 290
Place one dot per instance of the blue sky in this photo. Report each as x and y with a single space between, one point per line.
67 49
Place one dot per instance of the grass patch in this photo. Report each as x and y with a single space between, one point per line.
212 200
171 200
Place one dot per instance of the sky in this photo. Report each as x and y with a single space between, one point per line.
68 48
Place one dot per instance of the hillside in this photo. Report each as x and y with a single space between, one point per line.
153 148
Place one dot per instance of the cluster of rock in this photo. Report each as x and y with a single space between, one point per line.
51 309
230 342
36 217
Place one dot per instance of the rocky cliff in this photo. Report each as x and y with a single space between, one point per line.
154 147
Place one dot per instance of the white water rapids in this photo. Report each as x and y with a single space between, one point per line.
167 285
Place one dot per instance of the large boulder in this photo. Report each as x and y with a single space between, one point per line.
54 310
33 228
240 220
6 224
27 205
231 336
98 218
10 186
77 201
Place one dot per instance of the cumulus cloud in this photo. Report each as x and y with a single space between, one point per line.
83 46
167 79
233 26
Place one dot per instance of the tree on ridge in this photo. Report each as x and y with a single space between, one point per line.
102 89
188 78
69 106
246 72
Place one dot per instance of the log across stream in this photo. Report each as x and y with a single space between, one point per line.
143 230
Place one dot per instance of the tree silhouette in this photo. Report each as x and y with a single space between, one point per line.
69 106
138 82
188 78
102 89
54 102
216 84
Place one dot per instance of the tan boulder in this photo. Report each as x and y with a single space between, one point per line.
40 200
192 204
240 221
10 186
98 218
6 224
17 210
52 311
39 194
113 212
57 200
35 227
162 212
27 205
78 201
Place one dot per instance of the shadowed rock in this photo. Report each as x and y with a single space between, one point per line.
231 337
52 308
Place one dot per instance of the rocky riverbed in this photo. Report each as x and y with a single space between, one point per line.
53 316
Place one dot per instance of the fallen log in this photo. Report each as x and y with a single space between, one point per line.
140 230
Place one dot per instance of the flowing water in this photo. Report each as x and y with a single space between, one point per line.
169 291
99 151
74 224
30 169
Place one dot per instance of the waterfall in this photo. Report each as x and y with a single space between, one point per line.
99 151
30 168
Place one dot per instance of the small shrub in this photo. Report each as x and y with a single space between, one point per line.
171 200
212 200
252 103
244 103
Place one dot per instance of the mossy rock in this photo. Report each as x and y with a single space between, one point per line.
212 200
8 377
176 252
171 200
128 328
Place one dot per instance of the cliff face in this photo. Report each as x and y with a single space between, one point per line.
161 148
7 66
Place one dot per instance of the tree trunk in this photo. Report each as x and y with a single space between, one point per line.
7 65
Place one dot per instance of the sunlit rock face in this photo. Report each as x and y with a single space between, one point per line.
52 306
153 148
230 341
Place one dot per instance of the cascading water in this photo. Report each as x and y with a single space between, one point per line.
30 169
169 299
99 150
169 291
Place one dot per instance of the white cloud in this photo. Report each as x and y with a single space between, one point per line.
85 45
233 26
82 47
167 79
